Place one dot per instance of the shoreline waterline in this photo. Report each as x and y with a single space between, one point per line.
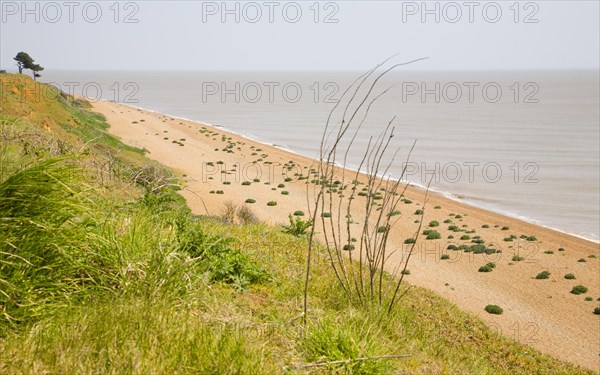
445 194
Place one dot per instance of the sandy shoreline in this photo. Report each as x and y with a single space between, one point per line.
541 313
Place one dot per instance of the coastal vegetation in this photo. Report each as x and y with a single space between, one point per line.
105 269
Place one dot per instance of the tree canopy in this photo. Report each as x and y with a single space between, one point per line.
24 61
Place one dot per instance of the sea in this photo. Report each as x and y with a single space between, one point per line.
522 143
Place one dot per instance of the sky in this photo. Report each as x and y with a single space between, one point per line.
301 35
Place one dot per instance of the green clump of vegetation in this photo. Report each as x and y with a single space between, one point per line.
486 268
285 192
494 309
246 183
250 200
570 276
432 235
418 212
588 299
549 252
271 203
409 241
298 213
433 224
543 275
579 289
505 228
297 226
517 258
445 257
465 237
326 214
582 260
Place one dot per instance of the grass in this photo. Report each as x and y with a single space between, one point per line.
114 276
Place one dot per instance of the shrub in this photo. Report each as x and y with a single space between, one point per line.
434 235
348 247
297 226
437 207
382 229
405 272
494 309
450 237
592 256
445 256
543 275
531 238
271 203
419 212
281 186
485 226
579 289
588 299
452 247
447 221
597 311
582 260
549 252
287 179
326 214
485 268
285 192
570 276
465 237
561 249
491 265
407 201
250 200
246 215
394 213
434 223
246 183
410 241
298 213
517 258
505 228
221 192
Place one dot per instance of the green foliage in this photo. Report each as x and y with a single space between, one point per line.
250 201
341 339
271 203
570 276
485 268
434 235
409 241
579 289
543 275
494 309
433 224
517 258
298 213
326 214
297 227
445 257
217 258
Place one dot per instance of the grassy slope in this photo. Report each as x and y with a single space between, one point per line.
102 275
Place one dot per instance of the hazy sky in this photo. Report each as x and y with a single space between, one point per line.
302 35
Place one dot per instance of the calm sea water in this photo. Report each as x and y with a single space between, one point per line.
525 144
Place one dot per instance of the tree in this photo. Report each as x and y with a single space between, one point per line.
24 61
35 68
